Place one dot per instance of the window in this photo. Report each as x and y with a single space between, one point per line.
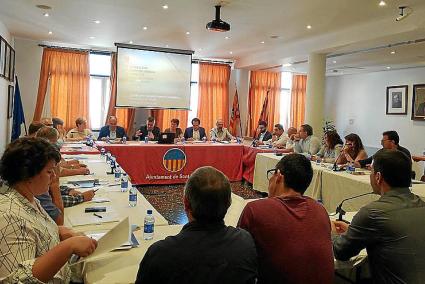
100 83
193 112
285 100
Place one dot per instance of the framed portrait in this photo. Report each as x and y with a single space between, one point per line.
397 99
7 61
12 65
2 55
418 102
10 102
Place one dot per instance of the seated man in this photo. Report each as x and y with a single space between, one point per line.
304 142
58 124
149 130
390 140
112 130
196 132
289 146
70 197
220 133
279 137
263 134
34 127
391 228
292 232
206 250
80 132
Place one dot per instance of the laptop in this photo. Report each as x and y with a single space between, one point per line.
166 138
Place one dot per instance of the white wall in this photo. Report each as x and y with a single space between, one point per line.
4 122
28 63
357 104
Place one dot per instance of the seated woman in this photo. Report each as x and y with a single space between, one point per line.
58 125
33 248
175 129
80 132
353 150
332 148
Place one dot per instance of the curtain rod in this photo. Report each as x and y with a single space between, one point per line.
76 49
211 61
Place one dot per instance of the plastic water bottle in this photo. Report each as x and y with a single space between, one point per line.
124 182
102 151
183 140
146 139
124 140
113 163
149 227
117 173
132 196
204 139
108 140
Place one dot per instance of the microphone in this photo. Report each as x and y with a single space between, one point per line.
341 211
334 167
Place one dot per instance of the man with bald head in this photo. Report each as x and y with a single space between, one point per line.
206 250
112 130
220 133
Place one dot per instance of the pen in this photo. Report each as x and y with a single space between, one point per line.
98 216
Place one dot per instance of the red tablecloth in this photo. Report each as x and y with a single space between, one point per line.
172 164
248 161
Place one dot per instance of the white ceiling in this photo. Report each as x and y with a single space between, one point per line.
338 27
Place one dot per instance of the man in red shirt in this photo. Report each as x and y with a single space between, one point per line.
292 232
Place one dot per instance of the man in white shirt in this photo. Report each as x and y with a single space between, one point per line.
304 142
279 137
220 133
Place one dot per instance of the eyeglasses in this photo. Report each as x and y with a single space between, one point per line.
270 173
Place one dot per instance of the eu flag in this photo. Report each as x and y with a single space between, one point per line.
18 113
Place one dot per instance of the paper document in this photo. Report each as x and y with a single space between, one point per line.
113 239
91 219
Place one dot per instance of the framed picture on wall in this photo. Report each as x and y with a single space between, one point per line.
7 61
2 55
418 102
10 94
12 65
397 99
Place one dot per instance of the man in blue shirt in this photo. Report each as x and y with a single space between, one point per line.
112 130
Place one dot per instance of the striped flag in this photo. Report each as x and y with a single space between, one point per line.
264 116
235 120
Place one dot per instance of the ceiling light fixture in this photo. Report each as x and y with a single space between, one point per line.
50 32
287 65
388 67
188 33
46 14
130 42
226 37
309 27
92 37
165 7
217 25
382 3
262 42
334 61
145 28
96 21
392 52
231 52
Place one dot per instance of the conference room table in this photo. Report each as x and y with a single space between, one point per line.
328 186
152 163
77 148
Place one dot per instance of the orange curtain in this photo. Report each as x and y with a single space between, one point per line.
260 83
125 116
299 83
69 85
213 101
163 118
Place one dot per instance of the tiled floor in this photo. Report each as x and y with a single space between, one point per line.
168 199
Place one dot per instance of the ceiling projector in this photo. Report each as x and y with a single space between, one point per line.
217 25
